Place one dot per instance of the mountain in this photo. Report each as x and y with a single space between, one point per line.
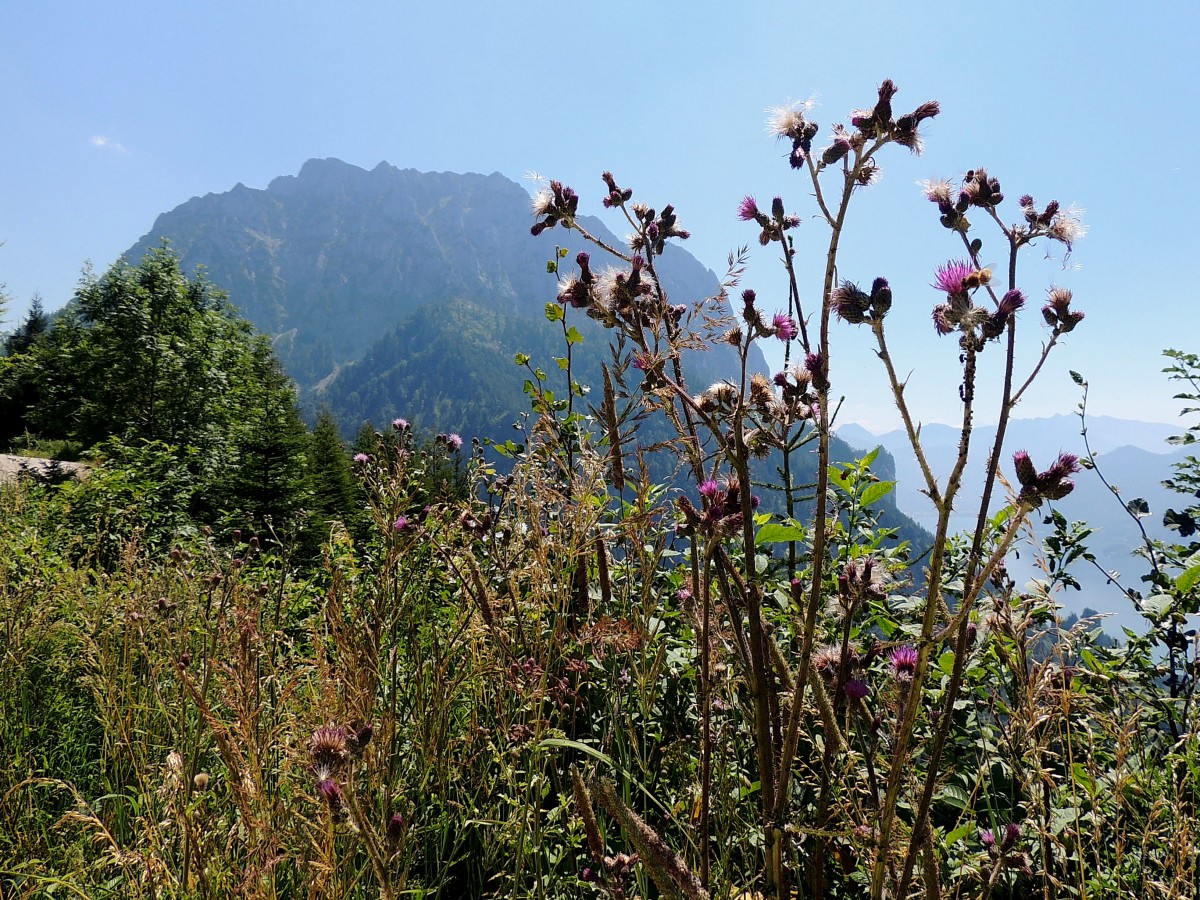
332 261
396 293
1133 456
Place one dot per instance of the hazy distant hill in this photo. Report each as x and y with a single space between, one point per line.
1133 456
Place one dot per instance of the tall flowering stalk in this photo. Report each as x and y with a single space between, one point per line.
793 696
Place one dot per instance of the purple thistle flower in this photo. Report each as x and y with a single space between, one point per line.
400 424
988 838
747 210
454 442
1026 473
331 793
903 661
710 490
361 458
400 524
1012 831
785 327
952 277
856 689
395 828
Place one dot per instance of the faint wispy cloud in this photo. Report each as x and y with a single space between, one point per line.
100 142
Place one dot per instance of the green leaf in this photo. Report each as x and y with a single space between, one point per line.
521 359
573 335
551 266
870 458
953 795
876 492
562 252
959 833
1138 508
1157 605
1078 379
776 533
554 313
563 362
1187 579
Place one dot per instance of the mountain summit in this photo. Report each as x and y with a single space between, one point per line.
395 292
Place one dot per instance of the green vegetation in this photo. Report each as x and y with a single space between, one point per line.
237 661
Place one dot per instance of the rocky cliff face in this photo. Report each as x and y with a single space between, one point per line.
333 259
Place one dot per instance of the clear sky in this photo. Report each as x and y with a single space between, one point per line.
114 113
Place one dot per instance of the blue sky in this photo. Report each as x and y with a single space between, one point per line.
115 113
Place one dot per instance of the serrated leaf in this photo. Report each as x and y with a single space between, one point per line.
573 335
521 359
554 312
876 492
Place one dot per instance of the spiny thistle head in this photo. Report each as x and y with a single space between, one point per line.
328 748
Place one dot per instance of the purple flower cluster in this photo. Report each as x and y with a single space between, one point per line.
1052 484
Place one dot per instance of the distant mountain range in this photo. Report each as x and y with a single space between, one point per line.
1133 456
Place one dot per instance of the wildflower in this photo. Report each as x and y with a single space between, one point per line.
1058 313
953 277
361 458
856 689
400 424
748 209
400 524
710 490
939 191
454 442
785 327
395 829
850 302
328 749
998 321
789 122
903 661
331 793
1052 484
981 190
1066 227
988 838
826 660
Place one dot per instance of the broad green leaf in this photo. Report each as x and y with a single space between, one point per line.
521 359
876 492
554 313
870 458
563 362
1187 579
573 335
953 795
776 533
959 833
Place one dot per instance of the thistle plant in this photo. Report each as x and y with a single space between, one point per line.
802 697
